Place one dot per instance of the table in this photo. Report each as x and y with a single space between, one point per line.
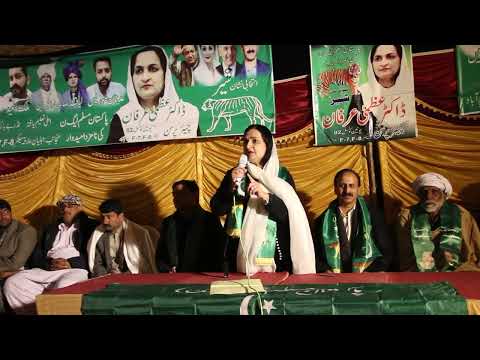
67 301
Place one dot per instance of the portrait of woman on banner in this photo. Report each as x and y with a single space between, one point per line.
206 73
154 111
384 106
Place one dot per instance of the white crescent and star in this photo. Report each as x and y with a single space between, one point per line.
244 305
268 305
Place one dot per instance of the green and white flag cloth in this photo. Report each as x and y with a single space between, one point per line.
468 78
438 298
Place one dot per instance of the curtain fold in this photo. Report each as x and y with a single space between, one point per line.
449 149
142 174
435 77
143 180
293 105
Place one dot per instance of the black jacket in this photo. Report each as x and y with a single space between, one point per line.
221 204
191 245
85 227
380 238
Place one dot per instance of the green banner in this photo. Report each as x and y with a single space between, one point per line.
362 93
135 94
468 78
304 299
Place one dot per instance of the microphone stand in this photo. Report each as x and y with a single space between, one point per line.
225 258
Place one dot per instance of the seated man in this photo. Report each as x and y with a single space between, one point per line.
192 239
436 234
58 260
119 245
17 241
348 236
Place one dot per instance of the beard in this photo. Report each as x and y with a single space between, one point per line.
104 83
431 207
4 225
17 91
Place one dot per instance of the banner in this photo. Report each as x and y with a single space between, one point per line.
136 94
438 298
468 78
362 93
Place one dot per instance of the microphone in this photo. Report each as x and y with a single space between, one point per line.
239 181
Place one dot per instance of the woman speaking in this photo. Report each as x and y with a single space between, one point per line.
268 227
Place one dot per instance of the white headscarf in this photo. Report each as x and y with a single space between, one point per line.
172 119
435 180
50 98
255 223
403 87
202 74
215 60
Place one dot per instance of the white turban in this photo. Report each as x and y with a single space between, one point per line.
46 69
50 98
435 180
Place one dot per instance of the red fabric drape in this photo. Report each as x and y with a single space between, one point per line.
435 77
10 163
293 105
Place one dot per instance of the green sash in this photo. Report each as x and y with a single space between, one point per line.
362 256
234 220
450 237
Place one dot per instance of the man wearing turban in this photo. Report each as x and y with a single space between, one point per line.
436 234
47 98
58 260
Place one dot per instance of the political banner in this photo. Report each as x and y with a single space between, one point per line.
468 78
362 93
135 94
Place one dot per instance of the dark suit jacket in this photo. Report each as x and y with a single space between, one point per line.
221 70
262 69
380 237
85 227
204 241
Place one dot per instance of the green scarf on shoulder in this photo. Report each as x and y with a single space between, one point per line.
235 221
450 237
362 255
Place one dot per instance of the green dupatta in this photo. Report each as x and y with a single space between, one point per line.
363 255
450 237
235 220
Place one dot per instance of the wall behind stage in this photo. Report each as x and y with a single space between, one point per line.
142 175
143 179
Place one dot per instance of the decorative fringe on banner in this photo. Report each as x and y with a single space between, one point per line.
444 115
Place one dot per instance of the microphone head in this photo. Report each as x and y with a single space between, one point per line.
243 161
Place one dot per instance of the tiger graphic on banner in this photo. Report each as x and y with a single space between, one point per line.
227 108
347 76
